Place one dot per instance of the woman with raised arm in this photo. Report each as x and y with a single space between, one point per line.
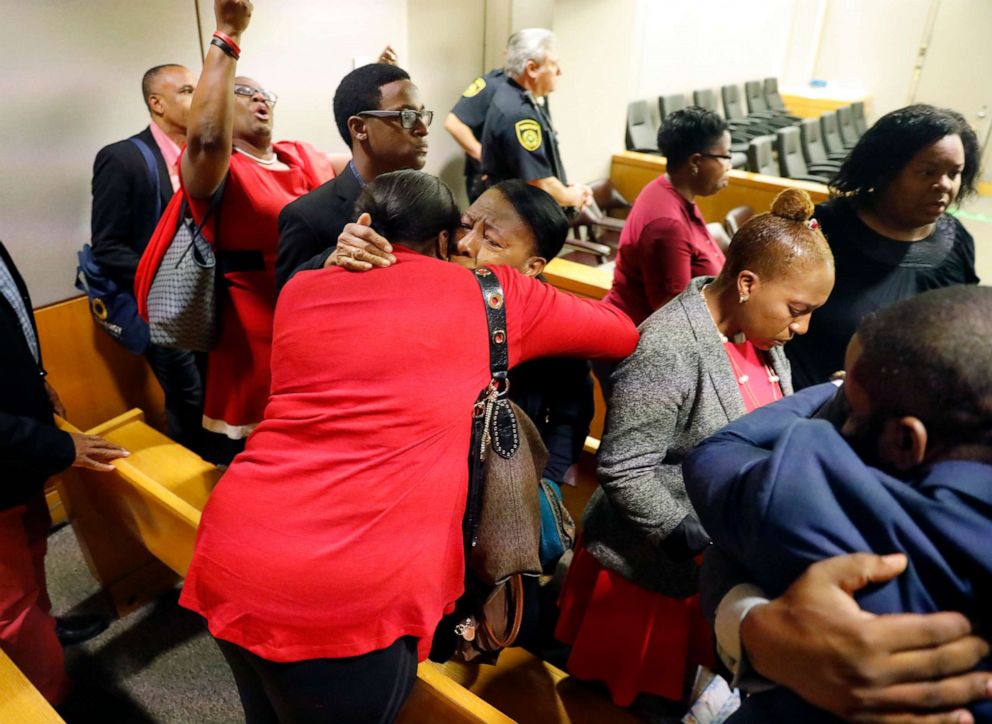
629 606
230 152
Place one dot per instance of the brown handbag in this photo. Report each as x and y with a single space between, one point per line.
502 523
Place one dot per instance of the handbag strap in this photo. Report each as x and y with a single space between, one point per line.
515 594
492 296
152 165
495 301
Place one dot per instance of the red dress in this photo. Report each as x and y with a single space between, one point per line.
237 383
634 639
664 244
338 529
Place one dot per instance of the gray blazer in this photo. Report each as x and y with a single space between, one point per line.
675 389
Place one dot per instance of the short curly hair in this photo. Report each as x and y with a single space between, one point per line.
687 131
360 91
885 149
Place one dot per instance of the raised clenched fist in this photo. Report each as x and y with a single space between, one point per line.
232 16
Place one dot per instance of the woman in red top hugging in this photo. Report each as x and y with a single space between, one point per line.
665 242
230 137
331 548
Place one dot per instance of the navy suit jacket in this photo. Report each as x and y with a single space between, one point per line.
31 447
124 203
778 491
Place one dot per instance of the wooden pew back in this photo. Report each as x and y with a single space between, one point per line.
630 172
19 700
96 377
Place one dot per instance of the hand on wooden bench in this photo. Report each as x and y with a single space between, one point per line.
94 452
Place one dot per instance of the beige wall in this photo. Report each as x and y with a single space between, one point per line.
72 74
871 47
598 77
454 32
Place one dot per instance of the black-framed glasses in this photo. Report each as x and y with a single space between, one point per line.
247 91
721 156
408 118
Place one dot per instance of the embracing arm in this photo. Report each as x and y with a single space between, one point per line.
210 130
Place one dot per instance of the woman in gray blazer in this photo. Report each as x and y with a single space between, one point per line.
630 606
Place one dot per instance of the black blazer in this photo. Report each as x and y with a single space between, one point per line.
311 224
123 217
31 447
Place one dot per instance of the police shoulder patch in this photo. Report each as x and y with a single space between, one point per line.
474 88
529 134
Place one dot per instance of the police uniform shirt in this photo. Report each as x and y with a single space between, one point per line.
472 107
517 140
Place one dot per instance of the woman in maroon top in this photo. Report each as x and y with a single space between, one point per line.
333 542
665 242
230 136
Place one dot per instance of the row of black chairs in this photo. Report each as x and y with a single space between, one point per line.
813 150
766 115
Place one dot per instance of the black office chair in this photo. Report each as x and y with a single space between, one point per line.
845 125
757 106
760 158
670 104
737 217
831 136
790 159
734 111
774 100
642 133
812 144
860 122
740 134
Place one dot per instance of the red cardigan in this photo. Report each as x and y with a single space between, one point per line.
664 244
338 530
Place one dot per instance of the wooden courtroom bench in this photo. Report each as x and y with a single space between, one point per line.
96 378
631 171
139 521
20 702
533 691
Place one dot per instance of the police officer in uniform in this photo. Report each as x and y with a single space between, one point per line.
518 140
465 123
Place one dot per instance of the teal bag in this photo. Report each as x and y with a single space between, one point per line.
557 526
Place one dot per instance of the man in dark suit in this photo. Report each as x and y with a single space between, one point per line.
379 115
32 449
128 200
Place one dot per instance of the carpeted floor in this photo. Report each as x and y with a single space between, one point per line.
156 665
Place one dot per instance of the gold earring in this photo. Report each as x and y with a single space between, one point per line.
744 298
695 170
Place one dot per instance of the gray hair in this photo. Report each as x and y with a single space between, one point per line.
524 45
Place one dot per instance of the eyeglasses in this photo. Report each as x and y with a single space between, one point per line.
720 156
408 118
247 91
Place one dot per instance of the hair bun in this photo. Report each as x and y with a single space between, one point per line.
794 204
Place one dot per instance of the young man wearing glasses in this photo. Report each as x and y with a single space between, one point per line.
380 116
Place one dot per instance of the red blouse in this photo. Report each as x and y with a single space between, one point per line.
237 383
663 245
338 529
756 379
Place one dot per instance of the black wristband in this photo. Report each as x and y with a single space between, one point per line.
228 50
